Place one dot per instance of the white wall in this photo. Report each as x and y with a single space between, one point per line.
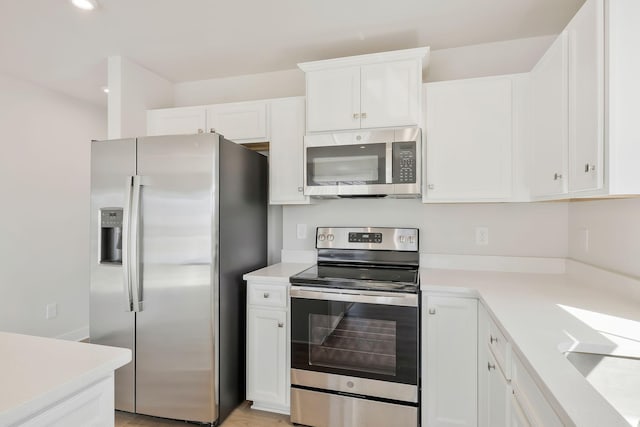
278 84
132 91
515 229
490 59
44 220
613 234
513 56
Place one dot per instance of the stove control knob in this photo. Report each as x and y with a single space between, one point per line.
402 239
330 237
412 239
321 237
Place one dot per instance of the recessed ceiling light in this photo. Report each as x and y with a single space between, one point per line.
85 4
105 89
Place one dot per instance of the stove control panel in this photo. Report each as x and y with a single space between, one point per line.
371 238
365 237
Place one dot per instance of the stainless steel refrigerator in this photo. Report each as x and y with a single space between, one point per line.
175 222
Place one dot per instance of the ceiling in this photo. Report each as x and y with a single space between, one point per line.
53 44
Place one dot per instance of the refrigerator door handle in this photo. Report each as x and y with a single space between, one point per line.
126 239
135 245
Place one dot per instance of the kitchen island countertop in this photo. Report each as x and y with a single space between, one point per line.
38 373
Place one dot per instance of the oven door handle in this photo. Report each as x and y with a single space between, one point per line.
380 298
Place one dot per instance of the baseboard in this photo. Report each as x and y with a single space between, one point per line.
494 263
81 334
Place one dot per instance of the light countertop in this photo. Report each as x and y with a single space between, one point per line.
37 372
544 315
277 273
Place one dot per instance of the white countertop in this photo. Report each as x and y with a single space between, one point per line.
277 273
36 372
545 314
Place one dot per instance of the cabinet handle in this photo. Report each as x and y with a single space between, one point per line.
200 130
280 324
265 295
589 168
492 339
431 186
363 115
490 366
212 130
557 176
432 311
299 189
356 115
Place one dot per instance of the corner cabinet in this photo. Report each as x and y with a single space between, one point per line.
176 121
449 368
268 358
473 132
367 91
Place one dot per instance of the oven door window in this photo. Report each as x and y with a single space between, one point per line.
346 165
355 339
353 343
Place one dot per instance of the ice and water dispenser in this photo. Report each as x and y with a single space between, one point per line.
111 236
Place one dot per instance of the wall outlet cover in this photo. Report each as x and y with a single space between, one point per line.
52 310
482 236
301 231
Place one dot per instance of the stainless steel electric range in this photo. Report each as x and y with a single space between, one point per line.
355 330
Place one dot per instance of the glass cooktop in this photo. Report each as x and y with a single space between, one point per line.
359 277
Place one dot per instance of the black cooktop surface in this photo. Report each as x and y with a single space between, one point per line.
359 277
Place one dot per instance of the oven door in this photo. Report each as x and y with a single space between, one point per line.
359 334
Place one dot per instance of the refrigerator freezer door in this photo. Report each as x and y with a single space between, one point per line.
111 321
175 343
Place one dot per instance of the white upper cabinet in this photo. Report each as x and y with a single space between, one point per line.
549 92
390 94
336 99
176 121
367 91
240 121
286 179
586 96
603 93
470 136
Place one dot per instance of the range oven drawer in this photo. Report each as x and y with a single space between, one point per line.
318 409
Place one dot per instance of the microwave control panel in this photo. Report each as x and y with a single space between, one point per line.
404 162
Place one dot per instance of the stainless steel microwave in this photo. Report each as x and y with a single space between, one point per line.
386 162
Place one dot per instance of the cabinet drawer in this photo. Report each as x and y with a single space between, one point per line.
267 295
500 348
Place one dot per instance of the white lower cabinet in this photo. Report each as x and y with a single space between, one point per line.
517 416
268 361
449 374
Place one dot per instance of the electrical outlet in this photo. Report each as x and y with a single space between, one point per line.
52 310
301 231
482 236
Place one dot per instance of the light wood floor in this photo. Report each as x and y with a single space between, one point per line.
243 416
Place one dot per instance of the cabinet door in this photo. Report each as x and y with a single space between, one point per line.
390 94
517 416
176 121
549 81
267 356
333 99
244 121
498 394
586 97
450 361
286 179
469 135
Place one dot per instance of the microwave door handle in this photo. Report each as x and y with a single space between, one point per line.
389 162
